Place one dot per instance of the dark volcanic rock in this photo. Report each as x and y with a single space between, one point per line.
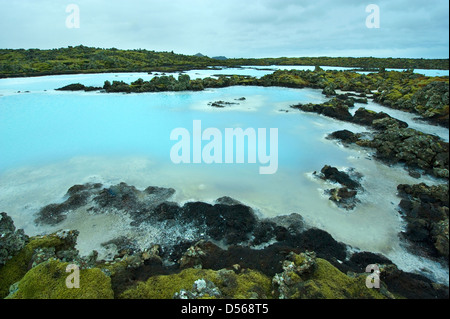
335 108
269 260
344 197
130 199
120 197
264 231
78 87
432 101
329 91
333 174
416 149
231 223
78 195
319 241
345 136
222 104
359 261
426 209
122 246
293 223
366 117
412 286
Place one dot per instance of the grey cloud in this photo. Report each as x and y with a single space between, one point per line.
234 28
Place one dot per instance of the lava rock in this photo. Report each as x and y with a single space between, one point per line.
11 240
345 136
426 210
333 174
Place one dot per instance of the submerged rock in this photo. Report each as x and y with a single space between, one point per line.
344 197
222 104
77 196
100 200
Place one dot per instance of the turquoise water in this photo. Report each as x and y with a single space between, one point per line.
43 127
51 140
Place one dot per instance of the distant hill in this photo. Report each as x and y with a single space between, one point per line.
200 55
219 58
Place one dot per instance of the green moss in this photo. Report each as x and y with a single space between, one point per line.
48 281
245 285
299 259
164 287
18 266
327 282
248 284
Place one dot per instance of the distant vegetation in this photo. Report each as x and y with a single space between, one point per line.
82 59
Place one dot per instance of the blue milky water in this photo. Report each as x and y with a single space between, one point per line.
51 140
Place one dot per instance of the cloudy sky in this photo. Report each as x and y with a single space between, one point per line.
234 28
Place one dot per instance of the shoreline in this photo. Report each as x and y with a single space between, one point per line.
259 236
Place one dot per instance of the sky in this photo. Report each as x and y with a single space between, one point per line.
234 28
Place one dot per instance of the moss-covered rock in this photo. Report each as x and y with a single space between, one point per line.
18 266
48 281
321 281
247 284
11 240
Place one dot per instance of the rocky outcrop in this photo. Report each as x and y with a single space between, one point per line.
306 277
345 136
39 249
100 199
335 108
426 209
344 196
432 101
78 87
241 256
366 117
11 240
222 104
338 108
395 144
